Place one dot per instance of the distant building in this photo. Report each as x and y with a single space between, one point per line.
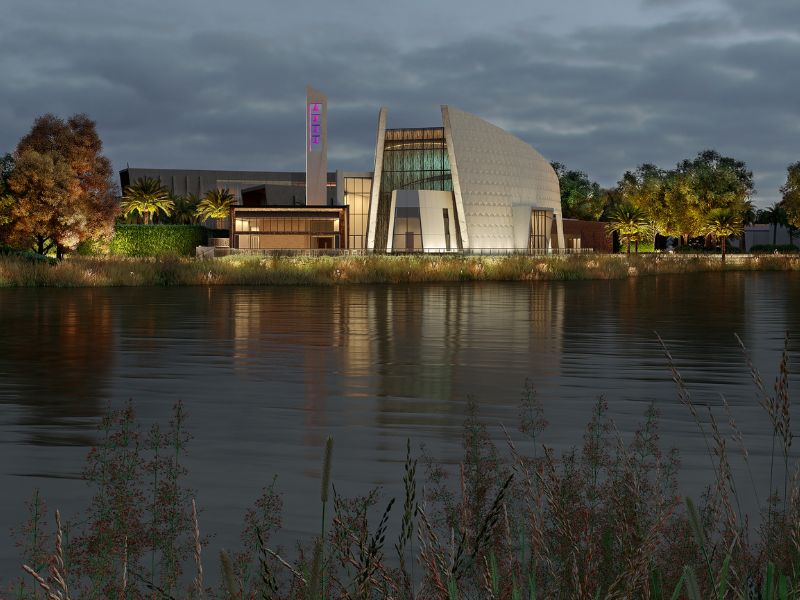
763 234
465 186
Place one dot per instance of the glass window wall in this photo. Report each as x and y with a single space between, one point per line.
357 192
413 159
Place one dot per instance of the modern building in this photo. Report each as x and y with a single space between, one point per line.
464 186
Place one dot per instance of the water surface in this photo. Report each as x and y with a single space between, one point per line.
268 373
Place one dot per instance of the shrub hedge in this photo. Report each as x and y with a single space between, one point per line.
154 240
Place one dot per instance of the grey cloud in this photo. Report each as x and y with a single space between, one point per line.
602 100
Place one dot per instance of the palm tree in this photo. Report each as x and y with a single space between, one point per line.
185 212
146 197
629 222
722 223
774 215
216 204
749 216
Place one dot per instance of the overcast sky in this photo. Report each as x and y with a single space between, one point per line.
599 86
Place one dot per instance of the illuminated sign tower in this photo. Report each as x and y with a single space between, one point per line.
316 148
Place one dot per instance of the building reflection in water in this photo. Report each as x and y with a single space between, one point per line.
433 346
416 351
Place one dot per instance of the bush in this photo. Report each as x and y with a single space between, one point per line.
92 247
154 240
769 248
28 255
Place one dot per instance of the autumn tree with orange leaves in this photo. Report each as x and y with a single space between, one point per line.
61 185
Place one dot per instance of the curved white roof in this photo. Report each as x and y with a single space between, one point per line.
495 175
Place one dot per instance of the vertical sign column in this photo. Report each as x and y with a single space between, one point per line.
316 148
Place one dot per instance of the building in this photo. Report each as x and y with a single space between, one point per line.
464 186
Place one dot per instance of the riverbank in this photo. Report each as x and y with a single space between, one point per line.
335 270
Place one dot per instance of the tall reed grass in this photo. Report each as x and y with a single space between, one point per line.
514 520
334 270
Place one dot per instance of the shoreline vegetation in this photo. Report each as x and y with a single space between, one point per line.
79 271
512 520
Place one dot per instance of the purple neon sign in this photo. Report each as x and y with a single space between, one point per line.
314 125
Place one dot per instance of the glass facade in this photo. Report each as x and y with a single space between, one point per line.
287 230
413 159
357 192
539 223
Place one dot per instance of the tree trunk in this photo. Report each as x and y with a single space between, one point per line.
724 239
629 246
774 234
637 247
39 244
147 218
59 251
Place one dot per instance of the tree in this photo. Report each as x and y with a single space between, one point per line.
722 223
6 166
678 202
791 198
145 198
630 223
42 185
6 199
62 184
645 188
775 216
185 211
216 204
749 215
580 197
711 181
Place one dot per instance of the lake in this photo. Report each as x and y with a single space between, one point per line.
267 374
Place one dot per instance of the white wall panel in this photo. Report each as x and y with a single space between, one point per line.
494 171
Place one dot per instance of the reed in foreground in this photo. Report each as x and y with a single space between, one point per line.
336 270
513 520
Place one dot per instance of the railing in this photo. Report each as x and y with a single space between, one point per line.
217 251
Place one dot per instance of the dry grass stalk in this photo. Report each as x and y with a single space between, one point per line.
232 588
432 555
268 581
198 552
297 574
316 572
57 565
38 578
782 399
766 402
123 588
686 399
739 439
794 513
725 485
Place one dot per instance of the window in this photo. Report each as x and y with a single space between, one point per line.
357 192
539 223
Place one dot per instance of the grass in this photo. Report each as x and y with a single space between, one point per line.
80 271
512 521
